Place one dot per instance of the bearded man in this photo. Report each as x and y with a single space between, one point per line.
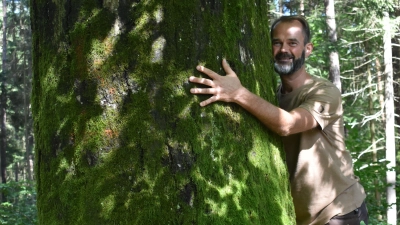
309 119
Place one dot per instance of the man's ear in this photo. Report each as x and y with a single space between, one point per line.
309 48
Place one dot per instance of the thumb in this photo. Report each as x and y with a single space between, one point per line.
227 68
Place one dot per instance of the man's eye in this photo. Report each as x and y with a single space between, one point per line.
292 43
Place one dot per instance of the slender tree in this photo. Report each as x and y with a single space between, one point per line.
302 7
3 102
118 137
334 68
390 134
24 84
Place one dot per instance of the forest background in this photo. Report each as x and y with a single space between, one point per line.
356 37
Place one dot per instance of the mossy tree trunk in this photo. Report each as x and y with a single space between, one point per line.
119 138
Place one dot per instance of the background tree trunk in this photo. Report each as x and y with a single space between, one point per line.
120 140
26 86
390 135
302 7
334 68
3 104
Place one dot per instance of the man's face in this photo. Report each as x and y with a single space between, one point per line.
288 47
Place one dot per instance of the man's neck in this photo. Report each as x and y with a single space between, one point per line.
294 81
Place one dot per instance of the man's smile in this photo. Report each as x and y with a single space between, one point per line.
284 58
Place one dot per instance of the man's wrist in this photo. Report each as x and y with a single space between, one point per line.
241 95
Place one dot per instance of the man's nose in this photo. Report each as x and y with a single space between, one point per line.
284 48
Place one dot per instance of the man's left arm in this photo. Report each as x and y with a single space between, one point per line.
229 89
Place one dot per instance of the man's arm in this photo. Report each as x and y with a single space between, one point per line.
229 89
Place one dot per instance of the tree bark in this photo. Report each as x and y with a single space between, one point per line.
302 7
16 171
3 104
26 87
390 134
334 67
119 139
27 128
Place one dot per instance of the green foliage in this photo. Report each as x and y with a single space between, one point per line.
17 86
361 51
20 209
378 6
318 61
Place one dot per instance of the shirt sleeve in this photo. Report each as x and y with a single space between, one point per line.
324 103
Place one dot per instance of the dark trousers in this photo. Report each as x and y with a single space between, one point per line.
353 218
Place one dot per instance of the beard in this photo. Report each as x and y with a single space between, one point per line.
288 68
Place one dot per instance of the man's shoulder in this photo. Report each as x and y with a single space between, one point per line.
320 93
320 81
321 84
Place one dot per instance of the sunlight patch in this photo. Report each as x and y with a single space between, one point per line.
157 50
220 209
159 14
107 206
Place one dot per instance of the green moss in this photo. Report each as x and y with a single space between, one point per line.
119 138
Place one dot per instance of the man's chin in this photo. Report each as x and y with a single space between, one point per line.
284 69
280 73
283 72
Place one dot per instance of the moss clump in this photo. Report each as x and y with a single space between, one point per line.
119 138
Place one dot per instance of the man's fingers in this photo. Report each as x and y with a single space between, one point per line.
219 86
206 91
204 81
208 101
208 72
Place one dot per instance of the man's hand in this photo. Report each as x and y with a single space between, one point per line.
223 88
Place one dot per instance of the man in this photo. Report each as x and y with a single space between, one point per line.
309 119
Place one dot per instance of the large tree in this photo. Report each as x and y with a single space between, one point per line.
118 137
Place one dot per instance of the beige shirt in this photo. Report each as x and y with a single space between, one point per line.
321 170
